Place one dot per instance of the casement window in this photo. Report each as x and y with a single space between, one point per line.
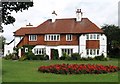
92 51
92 36
52 37
67 51
32 37
39 51
69 37
87 36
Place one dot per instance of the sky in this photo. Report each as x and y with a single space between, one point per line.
99 12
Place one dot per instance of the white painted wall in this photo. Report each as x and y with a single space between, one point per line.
11 46
17 40
48 49
8 48
82 45
103 45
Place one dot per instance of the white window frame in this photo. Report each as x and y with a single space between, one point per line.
26 50
69 37
92 36
39 51
69 51
92 52
32 37
52 37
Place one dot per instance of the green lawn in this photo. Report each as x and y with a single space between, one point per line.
26 71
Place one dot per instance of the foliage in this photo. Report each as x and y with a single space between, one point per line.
30 56
101 58
75 56
113 39
8 57
78 69
42 57
8 7
55 54
23 58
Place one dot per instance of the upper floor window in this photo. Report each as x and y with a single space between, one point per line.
92 36
32 37
52 37
69 37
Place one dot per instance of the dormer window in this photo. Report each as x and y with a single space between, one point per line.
32 37
68 37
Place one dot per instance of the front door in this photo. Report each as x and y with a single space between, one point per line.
54 54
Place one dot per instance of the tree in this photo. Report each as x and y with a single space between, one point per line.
8 7
113 38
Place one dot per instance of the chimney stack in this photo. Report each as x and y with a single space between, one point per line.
79 14
29 25
54 14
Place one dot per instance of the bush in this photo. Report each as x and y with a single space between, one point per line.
42 57
31 56
23 58
10 56
75 56
62 58
101 58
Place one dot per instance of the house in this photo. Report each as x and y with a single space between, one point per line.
67 35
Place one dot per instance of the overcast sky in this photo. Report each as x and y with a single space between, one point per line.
99 12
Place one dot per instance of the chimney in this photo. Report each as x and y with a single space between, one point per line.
54 14
29 25
79 14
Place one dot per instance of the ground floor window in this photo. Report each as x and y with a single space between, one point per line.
92 51
39 51
67 51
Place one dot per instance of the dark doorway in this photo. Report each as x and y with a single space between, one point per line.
54 54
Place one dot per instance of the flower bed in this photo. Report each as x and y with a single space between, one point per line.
78 69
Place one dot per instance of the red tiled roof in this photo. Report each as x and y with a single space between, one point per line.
62 26
23 30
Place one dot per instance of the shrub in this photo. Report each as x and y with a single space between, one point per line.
10 56
75 56
23 58
101 58
42 57
62 58
31 56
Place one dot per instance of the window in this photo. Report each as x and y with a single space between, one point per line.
92 36
87 51
39 51
52 37
97 52
98 36
69 37
32 37
26 50
87 36
67 51
92 51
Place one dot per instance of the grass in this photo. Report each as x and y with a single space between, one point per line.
26 71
